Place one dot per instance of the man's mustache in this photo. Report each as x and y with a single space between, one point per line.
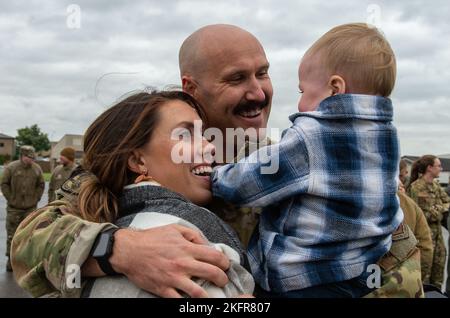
250 105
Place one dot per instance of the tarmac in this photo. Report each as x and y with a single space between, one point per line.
8 285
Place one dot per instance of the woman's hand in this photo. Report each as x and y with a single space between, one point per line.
162 260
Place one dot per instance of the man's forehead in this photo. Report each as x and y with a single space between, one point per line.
232 61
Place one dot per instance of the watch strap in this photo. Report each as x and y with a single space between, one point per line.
103 261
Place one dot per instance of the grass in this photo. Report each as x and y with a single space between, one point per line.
47 176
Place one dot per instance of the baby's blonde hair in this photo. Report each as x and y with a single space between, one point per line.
360 54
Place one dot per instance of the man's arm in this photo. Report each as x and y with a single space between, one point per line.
51 188
425 244
163 260
49 245
251 182
6 183
40 184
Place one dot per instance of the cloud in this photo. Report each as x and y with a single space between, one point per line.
62 78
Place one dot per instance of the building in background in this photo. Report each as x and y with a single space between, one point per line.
75 141
7 148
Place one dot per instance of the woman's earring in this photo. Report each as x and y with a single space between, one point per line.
143 177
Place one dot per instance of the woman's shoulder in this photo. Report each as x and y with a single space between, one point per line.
418 184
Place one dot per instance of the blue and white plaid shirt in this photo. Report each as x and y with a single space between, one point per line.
331 207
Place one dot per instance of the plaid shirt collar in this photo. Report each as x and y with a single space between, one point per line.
343 106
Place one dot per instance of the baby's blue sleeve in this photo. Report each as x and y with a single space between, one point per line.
267 176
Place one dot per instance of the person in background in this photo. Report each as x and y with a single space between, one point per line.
434 202
417 222
404 174
62 172
22 185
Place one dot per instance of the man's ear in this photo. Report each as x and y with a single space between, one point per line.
189 85
337 84
136 163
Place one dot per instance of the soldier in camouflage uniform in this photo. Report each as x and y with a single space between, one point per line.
434 202
416 221
61 172
51 239
22 185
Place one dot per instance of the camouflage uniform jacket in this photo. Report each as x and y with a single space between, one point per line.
50 243
22 185
59 176
416 221
400 268
431 198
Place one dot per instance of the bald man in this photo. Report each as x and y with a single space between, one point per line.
225 68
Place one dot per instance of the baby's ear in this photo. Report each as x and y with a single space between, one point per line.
337 84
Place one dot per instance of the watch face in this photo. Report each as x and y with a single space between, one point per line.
102 247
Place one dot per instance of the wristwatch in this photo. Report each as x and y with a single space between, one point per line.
103 249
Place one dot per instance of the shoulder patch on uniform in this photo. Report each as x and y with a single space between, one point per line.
400 233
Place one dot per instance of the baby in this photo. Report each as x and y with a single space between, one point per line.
330 209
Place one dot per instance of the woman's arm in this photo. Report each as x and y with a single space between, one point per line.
48 245
41 247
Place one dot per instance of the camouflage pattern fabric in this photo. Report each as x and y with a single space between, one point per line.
59 176
447 290
13 218
400 268
22 185
434 202
439 255
50 243
242 220
418 224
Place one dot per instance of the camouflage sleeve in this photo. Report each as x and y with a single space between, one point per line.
400 268
48 246
431 214
51 188
425 244
40 184
412 193
6 183
445 200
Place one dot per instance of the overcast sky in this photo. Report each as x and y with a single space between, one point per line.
61 74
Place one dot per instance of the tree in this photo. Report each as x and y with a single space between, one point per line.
33 136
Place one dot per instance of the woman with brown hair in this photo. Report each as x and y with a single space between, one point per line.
135 179
434 202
